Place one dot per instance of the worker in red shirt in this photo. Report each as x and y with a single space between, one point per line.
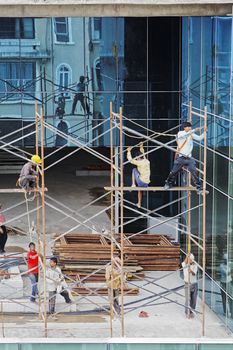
33 269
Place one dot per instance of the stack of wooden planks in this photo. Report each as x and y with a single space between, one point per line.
153 252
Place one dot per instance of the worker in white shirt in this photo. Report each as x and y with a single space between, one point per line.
56 284
141 174
183 157
190 287
226 285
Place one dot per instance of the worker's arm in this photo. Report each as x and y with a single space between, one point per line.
141 148
129 157
193 269
107 273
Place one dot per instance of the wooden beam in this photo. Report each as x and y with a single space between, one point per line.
18 190
150 189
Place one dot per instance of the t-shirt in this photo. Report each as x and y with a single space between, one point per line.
32 263
189 277
143 166
188 146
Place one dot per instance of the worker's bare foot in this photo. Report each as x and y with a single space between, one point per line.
139 205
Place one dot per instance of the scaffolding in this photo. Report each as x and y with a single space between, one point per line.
117 129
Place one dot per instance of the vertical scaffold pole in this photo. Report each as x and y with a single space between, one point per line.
112 218
122 222
204 222
43 219
189 215
38 208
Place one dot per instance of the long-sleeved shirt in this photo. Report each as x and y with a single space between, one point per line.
143 166
188 276
188 147
54 278
113 275
27 169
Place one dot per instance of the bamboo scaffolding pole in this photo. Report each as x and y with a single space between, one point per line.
38 211
204 223
112 220
122 223
43 227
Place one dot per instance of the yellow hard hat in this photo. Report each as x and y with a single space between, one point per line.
36 159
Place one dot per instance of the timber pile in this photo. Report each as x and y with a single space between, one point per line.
82 254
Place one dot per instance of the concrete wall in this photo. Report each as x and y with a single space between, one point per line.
44 8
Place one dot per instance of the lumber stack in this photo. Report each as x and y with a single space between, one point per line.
83 254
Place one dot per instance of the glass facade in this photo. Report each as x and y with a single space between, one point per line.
207 53
74 67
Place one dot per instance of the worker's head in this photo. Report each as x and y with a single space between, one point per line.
191 257
36 159
32 246
187 126
53 261
138 155
81 79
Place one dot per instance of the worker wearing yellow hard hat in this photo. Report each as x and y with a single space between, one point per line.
36 159
29 174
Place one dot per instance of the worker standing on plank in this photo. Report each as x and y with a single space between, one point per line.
33 270
183 157
141 174
56 284
113 280
28 175
191 288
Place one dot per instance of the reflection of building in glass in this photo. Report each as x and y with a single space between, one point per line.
40 60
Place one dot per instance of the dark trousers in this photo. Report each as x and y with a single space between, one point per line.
3 238
225 299
190 164
34 281
52 299
83 101
191 291
115 295
28 182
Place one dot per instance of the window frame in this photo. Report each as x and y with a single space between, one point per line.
68 95
69 27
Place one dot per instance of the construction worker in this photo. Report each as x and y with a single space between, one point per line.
33 269
80 96
61 103
113 281
28 174
191 288
183 157
56 284
141 174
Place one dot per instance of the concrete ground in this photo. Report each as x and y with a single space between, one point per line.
166 319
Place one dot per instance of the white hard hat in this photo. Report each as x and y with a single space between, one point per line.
191 257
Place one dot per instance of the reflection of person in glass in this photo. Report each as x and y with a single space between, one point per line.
61 103
80 96
226 285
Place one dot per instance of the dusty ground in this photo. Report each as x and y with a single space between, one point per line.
166 318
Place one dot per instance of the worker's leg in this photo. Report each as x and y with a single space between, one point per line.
66 296
116 300
75 100
193 296
223 294
34 280
187 299
193 170
134 175
177 166
139 199
52 301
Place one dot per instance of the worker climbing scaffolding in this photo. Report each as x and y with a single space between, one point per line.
29 174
